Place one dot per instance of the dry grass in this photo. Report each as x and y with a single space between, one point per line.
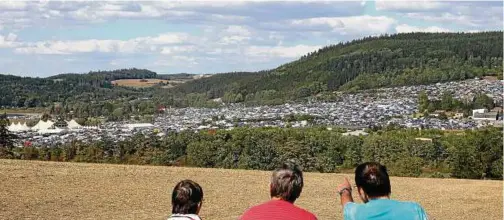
137 83
48 190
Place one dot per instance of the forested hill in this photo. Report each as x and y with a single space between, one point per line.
132 73
395 60
96 86
390 60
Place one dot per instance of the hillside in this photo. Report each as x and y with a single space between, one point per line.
52 190
91 87
395 60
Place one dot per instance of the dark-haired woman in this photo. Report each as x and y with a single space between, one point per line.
187 198
373 186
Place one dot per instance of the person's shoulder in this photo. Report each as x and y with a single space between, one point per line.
255 210
350 210
277 208
306 214
416 208
352 206
413 205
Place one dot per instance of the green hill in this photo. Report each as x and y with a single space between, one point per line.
372 62
91 87
389 60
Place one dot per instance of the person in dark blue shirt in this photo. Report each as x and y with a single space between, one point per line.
373 186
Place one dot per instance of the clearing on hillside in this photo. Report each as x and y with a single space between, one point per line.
57 190
139 82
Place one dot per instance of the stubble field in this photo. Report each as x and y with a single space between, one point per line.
50 190
138 82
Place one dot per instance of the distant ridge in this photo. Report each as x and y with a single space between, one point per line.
367 63
371 62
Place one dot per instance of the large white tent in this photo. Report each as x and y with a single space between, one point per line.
23 127
12 127
72 124
18 127
42 125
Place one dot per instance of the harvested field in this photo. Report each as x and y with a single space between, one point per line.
138 82
51 190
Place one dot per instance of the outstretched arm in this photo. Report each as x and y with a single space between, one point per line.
345 192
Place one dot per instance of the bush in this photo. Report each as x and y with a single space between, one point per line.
30 153
496 170
408 166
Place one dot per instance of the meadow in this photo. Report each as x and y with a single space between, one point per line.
138 82
59 190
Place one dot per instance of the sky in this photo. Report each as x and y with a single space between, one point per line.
44 38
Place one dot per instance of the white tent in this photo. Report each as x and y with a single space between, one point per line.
18 127
23 127
72 124
12 127
42 125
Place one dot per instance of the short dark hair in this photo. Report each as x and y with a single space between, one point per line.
287 182
186 197
373 178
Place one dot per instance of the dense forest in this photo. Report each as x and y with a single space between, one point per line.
406 152
371 62
389 60
87 88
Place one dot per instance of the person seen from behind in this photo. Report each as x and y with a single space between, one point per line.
187 198
285 187
373 187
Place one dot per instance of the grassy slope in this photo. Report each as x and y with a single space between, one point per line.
33 189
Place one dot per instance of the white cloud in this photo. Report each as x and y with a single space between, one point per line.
237 30
56 13
481 14
177 61
8 41
141 44
177 49
280 51
461 19
344 25
169 38
404 28
12 5
415 5
11 37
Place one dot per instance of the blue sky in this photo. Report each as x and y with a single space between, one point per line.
50 37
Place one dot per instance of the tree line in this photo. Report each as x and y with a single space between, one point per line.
449 103
473 154
93 87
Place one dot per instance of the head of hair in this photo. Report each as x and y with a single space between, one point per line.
287 182
373 178
186 197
